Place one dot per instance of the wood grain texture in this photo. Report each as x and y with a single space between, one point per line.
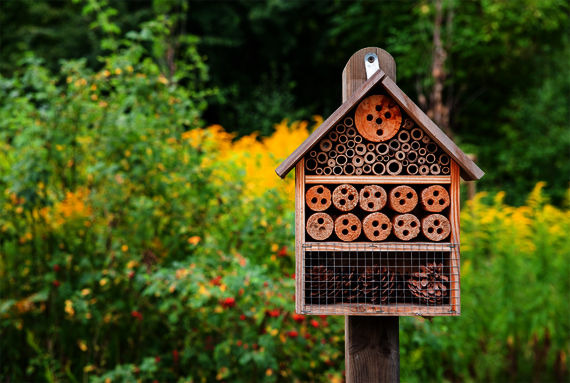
455 237
375 180
354 73
285 167
470 171
367 309
299 232
380 246
373 349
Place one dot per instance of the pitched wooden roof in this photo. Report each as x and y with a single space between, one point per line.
469 170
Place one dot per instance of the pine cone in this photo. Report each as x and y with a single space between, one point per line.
428 285
321 284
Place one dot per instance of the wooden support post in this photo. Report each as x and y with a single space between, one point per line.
372 343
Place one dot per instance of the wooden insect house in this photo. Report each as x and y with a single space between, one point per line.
377 207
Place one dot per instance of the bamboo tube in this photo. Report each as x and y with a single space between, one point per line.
434 199
332 154
406 147
358 171
340 129
313 153
311 164
415 145
394 145
394 167
320 226
345 197
351 132
386 158
349 169
435 169
358 139
430 158
349 153
322 158
341 160
328 170
319 198
326 145
417 134
412 169
331 162
360 149
406 226
369 158
337 170
436 227
426 139
412 156
376 227
421 160
357 161
340 149
382 149
422 152
408 124
371 147
431 147
343 138
319 171
348 227
378 168
443 160
405 163
367 169
402 199
400 155
424 170
333 136
351 144
390 154
445 170
348 122
372 198
403 136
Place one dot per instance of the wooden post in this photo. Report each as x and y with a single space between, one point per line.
372 343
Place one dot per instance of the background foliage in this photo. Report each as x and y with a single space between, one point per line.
138 245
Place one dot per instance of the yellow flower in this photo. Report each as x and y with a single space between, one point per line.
274 247
94 97
93 87
194 240
269 372
82 345
19 210
103 281
118 71
69 79
102 104
130 68
162 79
88 368
124 248
106 73
85 292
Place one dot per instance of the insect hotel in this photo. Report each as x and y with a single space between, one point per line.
377 208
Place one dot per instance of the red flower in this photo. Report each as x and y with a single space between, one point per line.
282 252
325 323
131 274
157 359
56 283
255 346
323 316
229 302
245 346
307 336
323 341
56 268
238 342
175 356
298 318
242 317
314 323
240 291
265 284
155 381
137 370
136 314
293 334
293 276
216 281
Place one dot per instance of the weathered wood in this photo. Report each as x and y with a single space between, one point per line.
368 309
299 232
354 73
375 180
381 246
455 237
285 167
373 349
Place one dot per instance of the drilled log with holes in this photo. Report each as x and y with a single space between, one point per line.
406 226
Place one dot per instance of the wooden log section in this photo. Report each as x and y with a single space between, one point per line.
311 164
376 227
417 134
406 226
372 198
402 199
348 227
394 167
320 226
434 199
345 197
378 118
436 227
318 198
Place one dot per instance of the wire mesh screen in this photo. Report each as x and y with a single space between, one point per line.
380 279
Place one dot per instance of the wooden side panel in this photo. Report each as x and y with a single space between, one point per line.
354 73
455 237
299 232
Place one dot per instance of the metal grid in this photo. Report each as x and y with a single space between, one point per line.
380 279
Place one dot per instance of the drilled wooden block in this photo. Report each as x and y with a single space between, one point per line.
403 199
406 226
435 198
378 118
345 197
376 226
320 226
318 198
436 227
372 198
347 227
